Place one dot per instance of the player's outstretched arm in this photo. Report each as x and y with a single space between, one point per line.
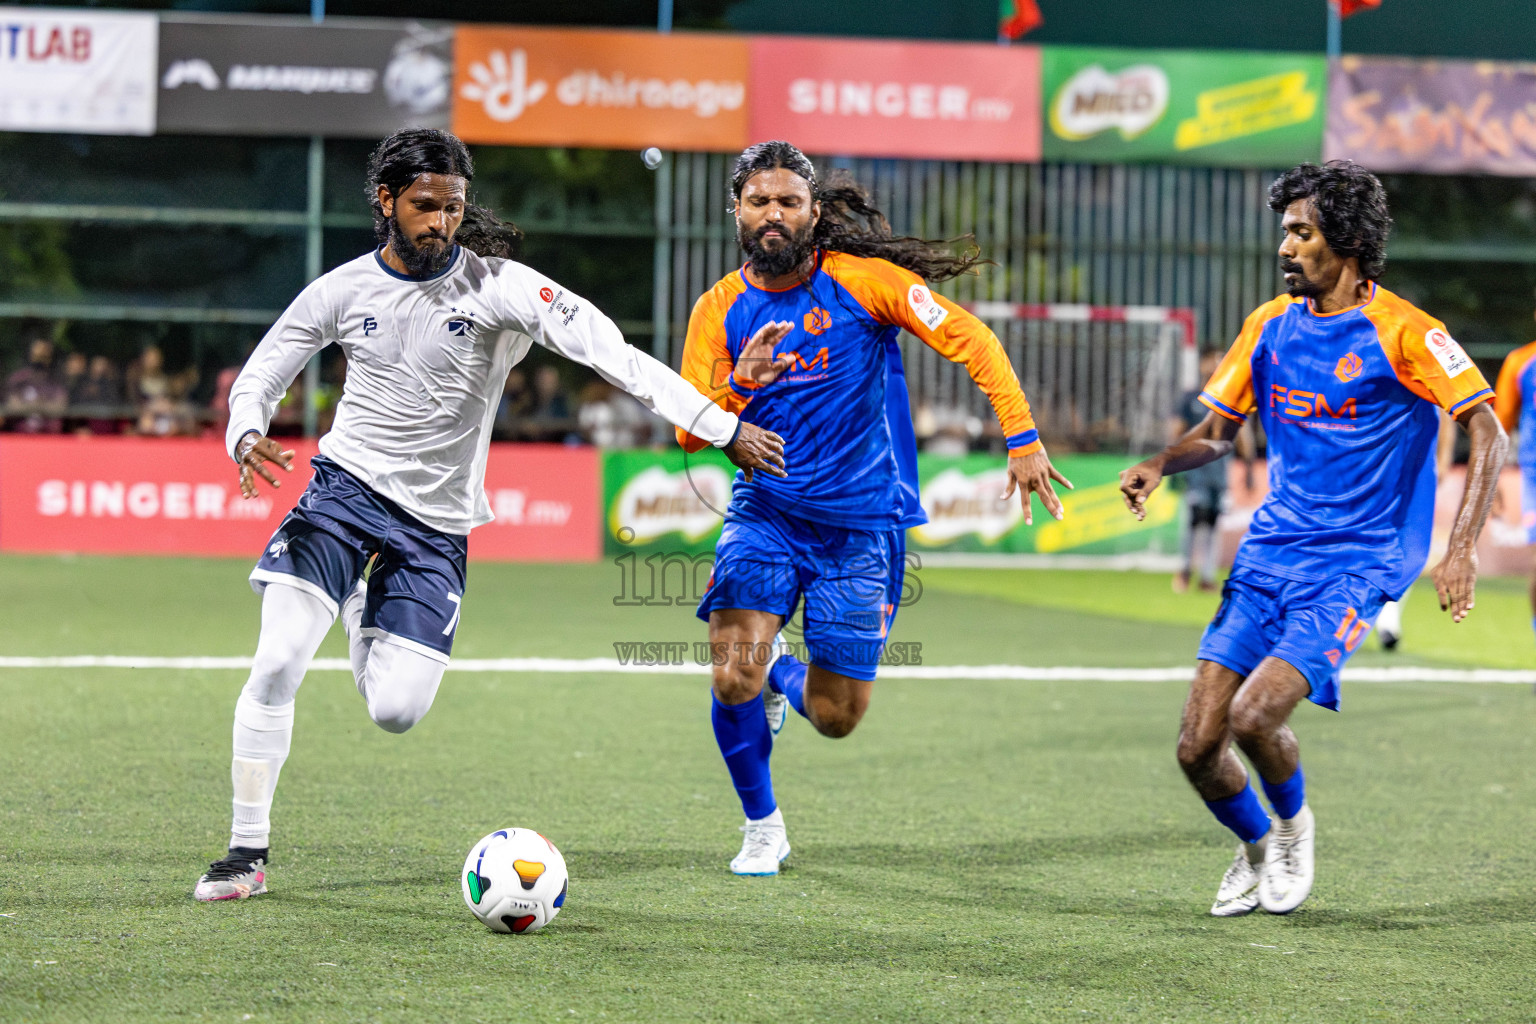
1456 576
1207 441
252 453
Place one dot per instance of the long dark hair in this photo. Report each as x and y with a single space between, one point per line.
404 157
1351 209
851 223
485 234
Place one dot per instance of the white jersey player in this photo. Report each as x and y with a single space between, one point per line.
430 330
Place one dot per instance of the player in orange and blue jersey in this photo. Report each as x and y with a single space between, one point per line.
1346 378
804 336
1516 407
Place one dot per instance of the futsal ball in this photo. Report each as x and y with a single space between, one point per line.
514 880
651 157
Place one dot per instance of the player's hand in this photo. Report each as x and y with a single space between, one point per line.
1456 583
756 364
253 452
756 448
1032 474
1138 482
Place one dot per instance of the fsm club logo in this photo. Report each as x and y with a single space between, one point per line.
1348 369
817 320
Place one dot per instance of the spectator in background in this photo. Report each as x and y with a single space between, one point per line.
610 418
97 393
515 405
73 375
147 378
1205 489
945 430
33 395
551 407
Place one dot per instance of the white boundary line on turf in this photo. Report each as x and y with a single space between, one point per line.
609 666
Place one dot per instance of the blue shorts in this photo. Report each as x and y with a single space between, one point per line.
851 581
1313 626
417 584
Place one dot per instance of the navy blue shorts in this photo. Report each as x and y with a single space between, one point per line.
1313 626
417 584
851 581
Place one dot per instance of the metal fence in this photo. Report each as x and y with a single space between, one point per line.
1118 235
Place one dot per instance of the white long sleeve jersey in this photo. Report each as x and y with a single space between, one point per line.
426 363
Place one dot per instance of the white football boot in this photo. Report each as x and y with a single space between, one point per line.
1239 892
765 844
1286 877
241 874
775 704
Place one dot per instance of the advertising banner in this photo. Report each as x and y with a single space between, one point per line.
77 71
182 497
945 101
1213 108
601 89
1436 117
286 76
672 503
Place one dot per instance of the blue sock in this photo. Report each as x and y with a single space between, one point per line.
1286 797
788 677
1243 814
741 730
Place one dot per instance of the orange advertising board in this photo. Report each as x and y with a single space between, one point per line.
599 89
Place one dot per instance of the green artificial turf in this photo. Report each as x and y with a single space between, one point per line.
990 851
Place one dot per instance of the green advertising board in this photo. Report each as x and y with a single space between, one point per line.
670 502
1207 107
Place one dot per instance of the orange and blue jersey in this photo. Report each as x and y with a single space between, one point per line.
842 406
1516 401
1347 400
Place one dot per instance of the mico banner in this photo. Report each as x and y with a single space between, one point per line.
287 76
601 89
1436 117
944 101
166 496
76 71
1207 107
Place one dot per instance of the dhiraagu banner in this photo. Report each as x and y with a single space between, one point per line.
672 503
1208 107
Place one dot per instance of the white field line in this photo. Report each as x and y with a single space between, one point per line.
610 666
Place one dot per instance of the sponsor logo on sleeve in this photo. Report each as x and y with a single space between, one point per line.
1452 358
926 307
559 305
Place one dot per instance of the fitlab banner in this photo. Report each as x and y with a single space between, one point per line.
1206 107
947 101
287 76
1436 117
671 503
601 89
182 497
77 71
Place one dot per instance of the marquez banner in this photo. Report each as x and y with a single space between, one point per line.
945 101
1437 117
600 89
182 497
284 76
77 71
1212 108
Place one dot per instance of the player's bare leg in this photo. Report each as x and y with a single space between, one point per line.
1258 721
835 703
744 637
1213 768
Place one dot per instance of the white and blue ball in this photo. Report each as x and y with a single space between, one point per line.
514 880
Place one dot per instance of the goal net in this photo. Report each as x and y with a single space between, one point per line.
1098 378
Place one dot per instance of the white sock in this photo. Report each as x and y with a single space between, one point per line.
358 645
263 735
775 820
1391 618
399 684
